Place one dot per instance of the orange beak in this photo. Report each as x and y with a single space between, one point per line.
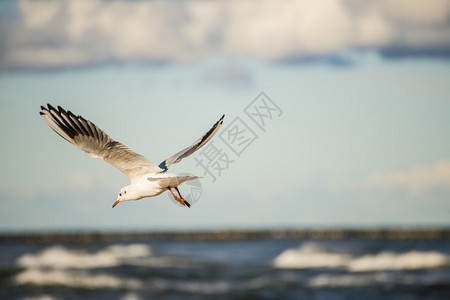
115 203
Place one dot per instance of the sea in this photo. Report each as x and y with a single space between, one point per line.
226 268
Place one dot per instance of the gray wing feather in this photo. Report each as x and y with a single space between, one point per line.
165 165
86 136
172 180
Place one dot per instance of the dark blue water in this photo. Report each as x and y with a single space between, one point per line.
262 269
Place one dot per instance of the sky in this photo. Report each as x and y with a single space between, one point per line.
337 112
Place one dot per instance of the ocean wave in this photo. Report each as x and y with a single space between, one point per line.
348 280
75 279
411 260
130 296
86 280
311 256
382 278
42 297
58 257
160 262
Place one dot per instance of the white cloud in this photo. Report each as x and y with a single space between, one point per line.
274 30
418 11
70 33
48 10
373 30
415 180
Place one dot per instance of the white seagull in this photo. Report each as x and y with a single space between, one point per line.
146 178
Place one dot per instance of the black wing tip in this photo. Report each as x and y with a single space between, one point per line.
221 120
43 108
57 116
59 110
50 107
71 114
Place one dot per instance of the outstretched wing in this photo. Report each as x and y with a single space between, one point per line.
86 136
165 165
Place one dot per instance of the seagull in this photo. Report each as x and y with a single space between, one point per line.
146 178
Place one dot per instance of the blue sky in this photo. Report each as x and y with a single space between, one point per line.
362 140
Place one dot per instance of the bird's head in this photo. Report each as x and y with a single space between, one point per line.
123 195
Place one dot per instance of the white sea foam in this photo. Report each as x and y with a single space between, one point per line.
130 296
310 256
61 258
130 251
399 261
42 297
347 280
83 279
78 279
194 286
378 278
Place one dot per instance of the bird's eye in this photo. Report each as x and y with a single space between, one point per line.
120 194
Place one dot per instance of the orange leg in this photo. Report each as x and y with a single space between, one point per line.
179 199
178 191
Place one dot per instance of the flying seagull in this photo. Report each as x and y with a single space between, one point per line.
146 178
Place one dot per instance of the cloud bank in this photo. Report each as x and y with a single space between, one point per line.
54 34
415 180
